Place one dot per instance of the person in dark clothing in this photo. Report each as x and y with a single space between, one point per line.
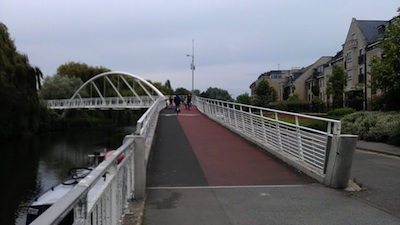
189 101
177 101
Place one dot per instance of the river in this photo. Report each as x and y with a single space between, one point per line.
30 166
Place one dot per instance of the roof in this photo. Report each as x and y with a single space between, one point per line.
369 28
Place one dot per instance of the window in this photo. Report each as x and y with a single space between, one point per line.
348 57
353 36
275 75
349 75
320 69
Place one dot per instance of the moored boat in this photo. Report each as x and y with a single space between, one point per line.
42 202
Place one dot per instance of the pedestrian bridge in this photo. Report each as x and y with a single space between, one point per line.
110 90
322 154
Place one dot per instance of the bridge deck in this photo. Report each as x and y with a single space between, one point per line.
192 150
201 173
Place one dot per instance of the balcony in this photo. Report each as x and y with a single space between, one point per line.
352 43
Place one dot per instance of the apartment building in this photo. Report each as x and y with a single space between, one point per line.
316 84
361 44
274 78
297 83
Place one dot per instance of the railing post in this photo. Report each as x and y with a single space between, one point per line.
251 123
131 167
278 130
114 192
340 160
140 167
80 212
298 137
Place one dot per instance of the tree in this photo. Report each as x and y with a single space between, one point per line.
168 88
196 92
217 93
39 76
264 94
244 99
385 71
80 70
59 87
18 86
182 91
335 86
295 98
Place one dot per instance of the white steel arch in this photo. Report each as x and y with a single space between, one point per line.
116 73
117 100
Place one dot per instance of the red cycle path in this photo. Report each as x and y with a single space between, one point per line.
229 160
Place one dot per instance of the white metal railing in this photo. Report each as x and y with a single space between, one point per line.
131 102
109 204
149 119
278 131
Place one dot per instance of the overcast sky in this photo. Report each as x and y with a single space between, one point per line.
234 41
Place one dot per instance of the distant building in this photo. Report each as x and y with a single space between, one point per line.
361 44
275 78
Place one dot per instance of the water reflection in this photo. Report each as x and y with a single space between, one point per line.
32 165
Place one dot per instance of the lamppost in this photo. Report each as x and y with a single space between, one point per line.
192 67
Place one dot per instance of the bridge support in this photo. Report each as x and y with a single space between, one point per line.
340 160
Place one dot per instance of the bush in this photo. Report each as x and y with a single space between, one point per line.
340 112
315 124
395 137
373 126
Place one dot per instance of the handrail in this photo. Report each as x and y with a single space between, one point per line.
305 147
131 102
120 179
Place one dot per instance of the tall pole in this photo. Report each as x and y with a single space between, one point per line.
192 66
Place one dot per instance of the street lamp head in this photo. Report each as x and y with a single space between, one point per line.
188 55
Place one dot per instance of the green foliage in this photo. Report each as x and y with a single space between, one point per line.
244 99
196 92
165 89
217 93
295 98
315 124
80 70
394 138
295 104
340 112
335 86
317 104
182 91
305 122
385 71
264 94
50 121
18 85
372 126
59 87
